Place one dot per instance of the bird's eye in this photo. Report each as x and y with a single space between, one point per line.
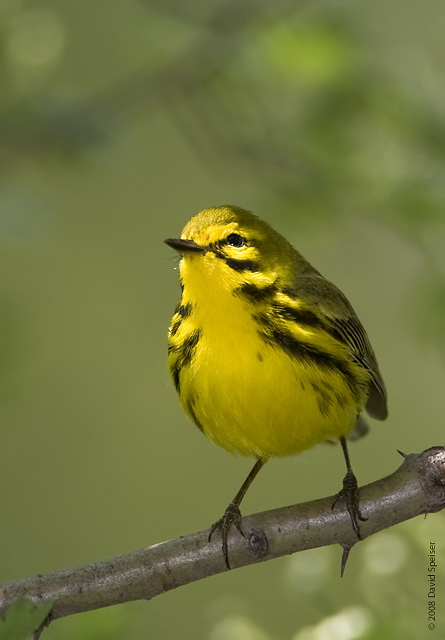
235 240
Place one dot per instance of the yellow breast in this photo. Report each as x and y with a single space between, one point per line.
244 392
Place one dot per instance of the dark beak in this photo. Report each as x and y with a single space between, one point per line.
184 246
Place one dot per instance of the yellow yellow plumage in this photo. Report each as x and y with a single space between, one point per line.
267 356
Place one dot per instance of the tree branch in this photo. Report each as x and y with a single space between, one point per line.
418 486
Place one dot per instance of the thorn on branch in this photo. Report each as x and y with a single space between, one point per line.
344 558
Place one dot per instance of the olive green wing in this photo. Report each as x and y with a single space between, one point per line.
341 322
350 331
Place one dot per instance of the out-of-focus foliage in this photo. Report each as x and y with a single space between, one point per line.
22 618
118 121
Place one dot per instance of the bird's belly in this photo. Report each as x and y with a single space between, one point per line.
256 400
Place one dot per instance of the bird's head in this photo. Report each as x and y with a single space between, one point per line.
232 246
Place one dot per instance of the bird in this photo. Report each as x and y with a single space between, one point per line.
267 356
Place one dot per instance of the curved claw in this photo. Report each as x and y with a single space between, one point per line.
351 492
232 516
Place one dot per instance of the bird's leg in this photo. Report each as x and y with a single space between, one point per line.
350 492
232 515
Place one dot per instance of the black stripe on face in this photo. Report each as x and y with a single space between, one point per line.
242 265
237 265
216 249
254 293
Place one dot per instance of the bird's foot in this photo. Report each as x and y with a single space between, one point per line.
232 516
351 492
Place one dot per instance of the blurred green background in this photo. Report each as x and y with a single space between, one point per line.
118 121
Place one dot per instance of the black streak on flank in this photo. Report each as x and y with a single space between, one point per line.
308 353
175 374
184 352
324 403
324 400
305 352
341 399
187 348
193 415
254 293
242 265
175 327
184 310
300 316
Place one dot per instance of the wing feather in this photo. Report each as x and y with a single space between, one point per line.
341 321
